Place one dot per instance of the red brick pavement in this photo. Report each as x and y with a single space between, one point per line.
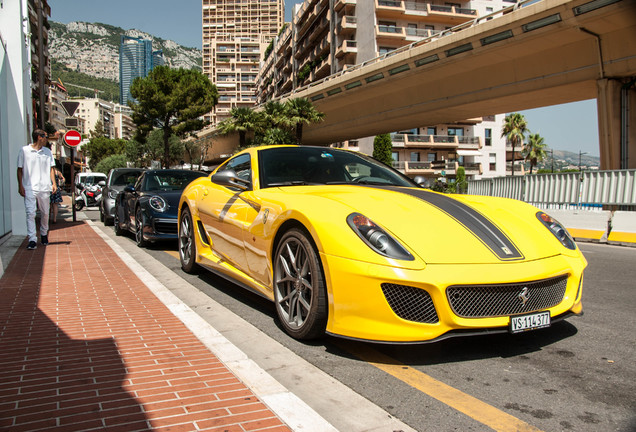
85 345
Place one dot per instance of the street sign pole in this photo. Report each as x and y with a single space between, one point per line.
72 138
73 183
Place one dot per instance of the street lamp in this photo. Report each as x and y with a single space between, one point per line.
580 154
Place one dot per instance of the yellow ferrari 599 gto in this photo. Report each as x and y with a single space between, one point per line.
344 245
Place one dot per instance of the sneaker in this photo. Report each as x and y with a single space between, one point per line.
45 240
32 245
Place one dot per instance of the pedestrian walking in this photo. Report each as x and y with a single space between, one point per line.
56 198
36 181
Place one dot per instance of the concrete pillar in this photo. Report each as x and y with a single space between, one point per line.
616 103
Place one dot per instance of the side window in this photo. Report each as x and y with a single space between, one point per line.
139 182
241 166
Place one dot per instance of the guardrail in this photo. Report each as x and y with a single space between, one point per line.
587 189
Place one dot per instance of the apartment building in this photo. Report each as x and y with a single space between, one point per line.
235 34
329 36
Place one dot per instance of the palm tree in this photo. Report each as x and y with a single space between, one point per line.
514 129
242 120
274 114
301 111
535 150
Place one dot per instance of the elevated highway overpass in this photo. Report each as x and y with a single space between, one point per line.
533 55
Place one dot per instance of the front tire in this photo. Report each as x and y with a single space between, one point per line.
299 286
187 244
139 228
116 224
79 205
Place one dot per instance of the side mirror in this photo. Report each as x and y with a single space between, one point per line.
228 178
422 181
102 183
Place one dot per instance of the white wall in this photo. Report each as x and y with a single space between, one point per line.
15 110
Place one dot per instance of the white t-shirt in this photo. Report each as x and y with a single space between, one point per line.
36 168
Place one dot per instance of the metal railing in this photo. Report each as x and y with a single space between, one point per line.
587 189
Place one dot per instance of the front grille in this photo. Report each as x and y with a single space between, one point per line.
163 226
409 303
481 301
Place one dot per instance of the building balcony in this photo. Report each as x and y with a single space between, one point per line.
347 25
388 34
469 143
448 14
472 169
413 34
414 168
391 9
347 47
344 4
425 141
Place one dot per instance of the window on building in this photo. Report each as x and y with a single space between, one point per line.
415 156
431 131
395 156
492 161
431 157
456 131
488 136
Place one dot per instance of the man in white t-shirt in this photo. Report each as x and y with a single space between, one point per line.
36 181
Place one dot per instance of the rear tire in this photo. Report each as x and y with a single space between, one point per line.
187 243
299 286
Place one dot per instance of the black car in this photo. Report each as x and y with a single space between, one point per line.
149 208
117 179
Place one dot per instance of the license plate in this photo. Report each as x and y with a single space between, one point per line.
533 321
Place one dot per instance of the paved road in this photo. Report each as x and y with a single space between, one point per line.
579 375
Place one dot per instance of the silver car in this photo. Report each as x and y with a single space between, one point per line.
118 179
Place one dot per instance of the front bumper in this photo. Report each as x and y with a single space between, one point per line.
160 229
358 307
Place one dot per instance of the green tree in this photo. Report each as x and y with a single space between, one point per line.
383 149
99 130
461 185
101 147
242 120
173 100
299 112
110 162
514 130
142 154
535 150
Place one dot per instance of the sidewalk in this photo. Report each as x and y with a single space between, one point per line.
86 345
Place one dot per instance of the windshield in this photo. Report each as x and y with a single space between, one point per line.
170 180
125 178
288 166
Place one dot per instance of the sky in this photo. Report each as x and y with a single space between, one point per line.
572 127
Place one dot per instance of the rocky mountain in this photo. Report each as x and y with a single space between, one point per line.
93 48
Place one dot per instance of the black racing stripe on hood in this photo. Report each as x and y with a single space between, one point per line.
475 222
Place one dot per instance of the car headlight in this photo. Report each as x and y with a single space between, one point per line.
112 194
376 238
158 203
557 230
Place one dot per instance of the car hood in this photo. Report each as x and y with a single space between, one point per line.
445 229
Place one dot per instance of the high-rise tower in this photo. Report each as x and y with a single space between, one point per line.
136 59
235 35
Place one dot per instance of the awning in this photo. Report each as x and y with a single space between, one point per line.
468 153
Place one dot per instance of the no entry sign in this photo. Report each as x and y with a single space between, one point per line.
72 138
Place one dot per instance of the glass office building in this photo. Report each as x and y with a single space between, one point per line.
136 59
